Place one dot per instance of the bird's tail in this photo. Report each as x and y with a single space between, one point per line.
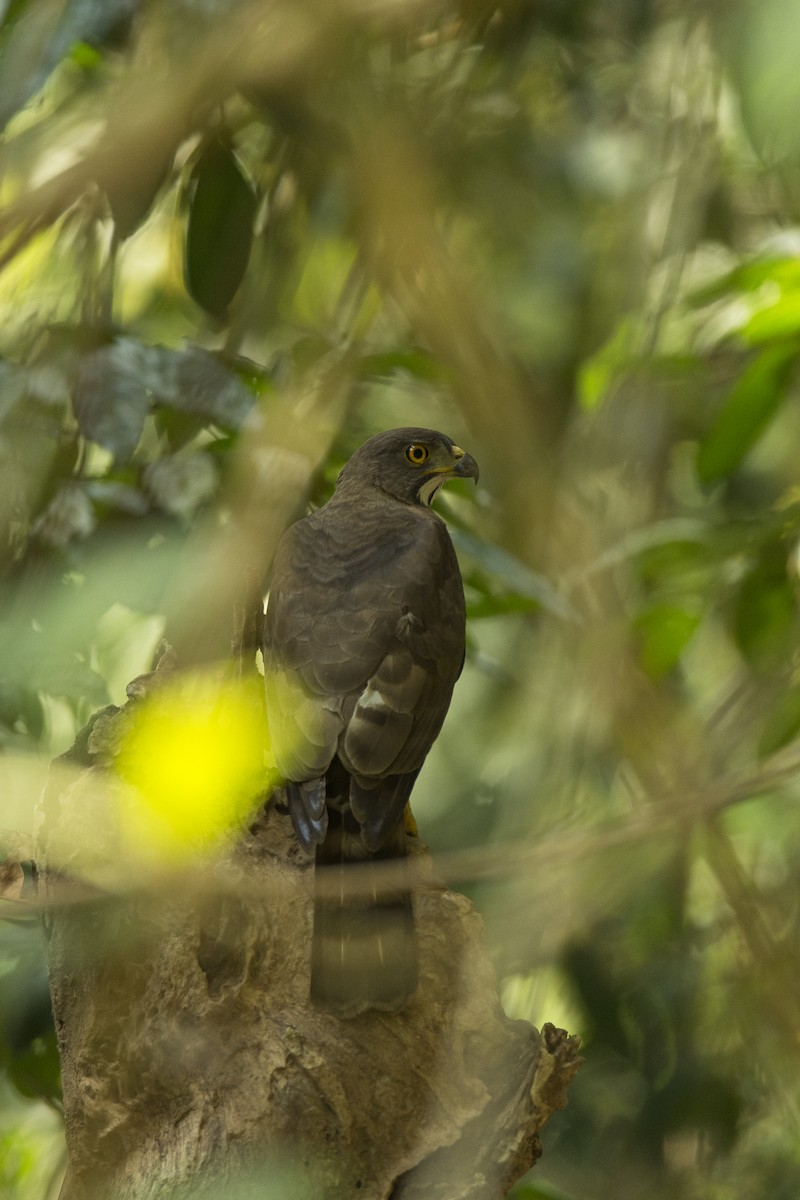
364 947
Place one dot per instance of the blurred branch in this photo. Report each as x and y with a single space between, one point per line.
153 105
776 978
689 161
503 861
410 257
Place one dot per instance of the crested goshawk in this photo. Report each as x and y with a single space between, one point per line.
363 642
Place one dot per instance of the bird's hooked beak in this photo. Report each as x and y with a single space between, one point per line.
462 467
465 467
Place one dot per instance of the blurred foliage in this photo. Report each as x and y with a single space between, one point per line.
193 758
236 238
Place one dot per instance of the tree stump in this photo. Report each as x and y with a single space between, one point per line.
193 1062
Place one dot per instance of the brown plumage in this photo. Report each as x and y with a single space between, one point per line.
363 642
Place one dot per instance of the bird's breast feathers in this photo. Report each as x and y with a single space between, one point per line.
364 642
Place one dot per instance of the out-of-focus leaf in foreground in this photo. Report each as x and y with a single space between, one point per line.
194 759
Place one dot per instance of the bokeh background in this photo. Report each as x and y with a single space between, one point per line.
238 237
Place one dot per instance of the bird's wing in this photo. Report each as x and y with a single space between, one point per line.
364 639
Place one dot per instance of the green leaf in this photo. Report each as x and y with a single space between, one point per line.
68 517
205 386
746 413
19 703
179 485
671 561
748 277
779 319
781 724
598 374
27 1036
36 1072
87 57
765 614
110 398
663 631
219 230
179 428
117 496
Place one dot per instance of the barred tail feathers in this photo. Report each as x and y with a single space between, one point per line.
364 946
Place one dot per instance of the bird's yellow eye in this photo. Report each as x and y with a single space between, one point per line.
416 453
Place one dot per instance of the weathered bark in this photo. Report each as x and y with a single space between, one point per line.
192 1057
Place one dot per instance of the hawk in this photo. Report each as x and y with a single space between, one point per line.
363 643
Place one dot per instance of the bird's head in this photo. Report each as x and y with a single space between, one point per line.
410 464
